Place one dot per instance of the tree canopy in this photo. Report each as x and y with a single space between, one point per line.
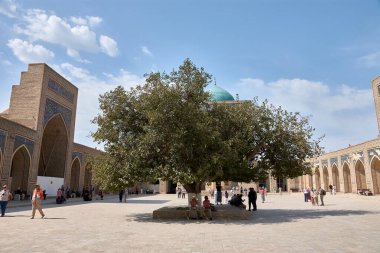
168 129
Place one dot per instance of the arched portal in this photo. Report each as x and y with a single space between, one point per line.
20 169
347 178
53 149
360 175
375 171
325 177
335 177
302 182
75 172
87 175
310 179
297 184
317 176
282 182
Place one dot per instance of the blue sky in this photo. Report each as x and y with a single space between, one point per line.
315 57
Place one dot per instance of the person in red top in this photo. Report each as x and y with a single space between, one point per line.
37 197
207 208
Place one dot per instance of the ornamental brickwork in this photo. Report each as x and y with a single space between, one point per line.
37 132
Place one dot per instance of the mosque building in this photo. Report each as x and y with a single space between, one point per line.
37 144
37 135
355 169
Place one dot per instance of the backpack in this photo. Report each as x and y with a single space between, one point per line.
323 192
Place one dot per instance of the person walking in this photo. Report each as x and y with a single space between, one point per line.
263 194
252 197
37 197
226 197
308 194
314 196
5 196
305 194
121 193
179 192
322 194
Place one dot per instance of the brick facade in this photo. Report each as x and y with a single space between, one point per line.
37 131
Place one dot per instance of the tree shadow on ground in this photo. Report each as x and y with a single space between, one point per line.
146 201
266 216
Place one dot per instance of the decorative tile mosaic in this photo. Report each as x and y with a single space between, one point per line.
345 158
3 137
59 89
79 155
19 141
52 108
358 156
324 163
373 152
333 160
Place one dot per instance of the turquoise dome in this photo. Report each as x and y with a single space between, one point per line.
219 94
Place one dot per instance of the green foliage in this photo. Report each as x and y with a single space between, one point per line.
167 129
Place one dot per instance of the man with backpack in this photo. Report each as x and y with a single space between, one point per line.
322 194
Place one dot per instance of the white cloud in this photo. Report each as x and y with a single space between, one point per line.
94 21
146 51
75 55
29 53
50 28
371 60
88 20
339 113
75 34
109 46
78 20
8 8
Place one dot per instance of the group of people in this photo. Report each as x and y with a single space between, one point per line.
37 197
237 200
332 189
314 195
196 212
181 193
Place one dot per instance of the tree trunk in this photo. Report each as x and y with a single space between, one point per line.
194 189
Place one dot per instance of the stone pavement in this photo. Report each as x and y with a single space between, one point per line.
348 223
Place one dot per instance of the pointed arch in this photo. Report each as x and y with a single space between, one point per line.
347 177
20 167
361 181
317 176
375 173
335 177
75 174
325 177
54 146
88 175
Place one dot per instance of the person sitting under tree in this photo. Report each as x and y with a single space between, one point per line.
207 208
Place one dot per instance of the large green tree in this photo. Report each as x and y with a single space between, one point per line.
168 129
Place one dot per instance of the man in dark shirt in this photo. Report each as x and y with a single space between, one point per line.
252 197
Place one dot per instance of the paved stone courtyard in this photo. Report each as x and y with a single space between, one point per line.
348 223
